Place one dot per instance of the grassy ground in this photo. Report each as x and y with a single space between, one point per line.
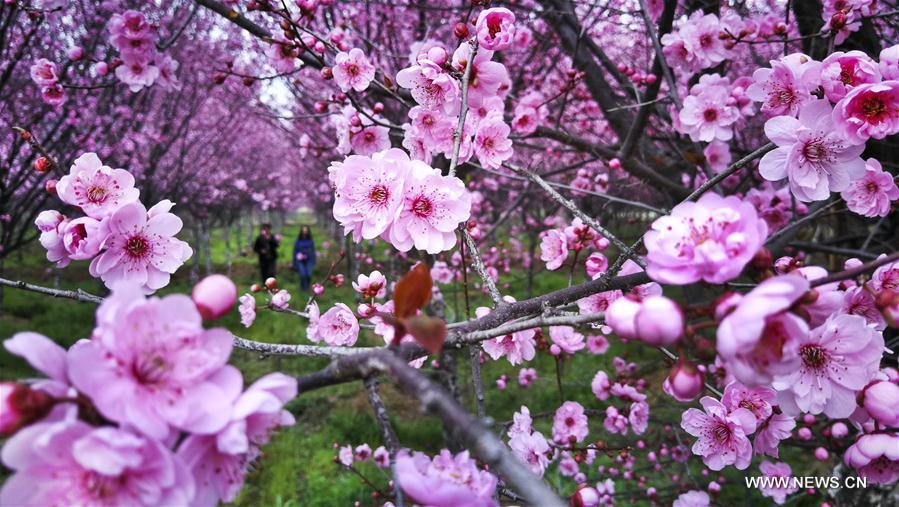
298 466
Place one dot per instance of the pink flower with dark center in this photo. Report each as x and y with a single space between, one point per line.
569 340
336 327
369 191
435 128
692 499
860 301
721 435
812 153
433 206
43 72
68 462
868 111
282 55
841 72
885 278
708 114
95 188
137 75
431 86
711 239
353 71
281 299
701 37
491 142
370 140
445 480
486 77
495 28
758 400
371 286
771 432
130 24
875 457
554 249
871 195
151 365
81 238
53 94
533 450
786 86
140 246
570 424
837 359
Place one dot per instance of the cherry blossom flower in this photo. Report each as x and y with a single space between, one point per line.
868 111
52 225
434 127
43 72
570 424
522 423
811 153
871 195
352 70
445 480
130 24
837 359
53 94
137 75
860 301
638 417
370 140
431 86
247 309
346 456
381 457
369 191
336 327
433 206
491 142
554 249
721 435
875 457
841 72
486 79
372 286
600 385
760 337
281 299
771 432
68 462
567 339
516 347
693 498
151 365
220 462
772 489
889 63
708 115
95 188
533 450
282 55
495 28
442 273
711 239
786 86
140 246
615 422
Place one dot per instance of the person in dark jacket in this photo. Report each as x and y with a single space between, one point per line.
266 247
304 256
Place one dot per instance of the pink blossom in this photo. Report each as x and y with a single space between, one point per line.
621 315
370 140
362 452
43 72
527 376
598 303
717 155
685 382
130 24
431 86
281 299
570 424
841 72
778 492
554 249
495 28
346 456
371 286
838 359
81 238
696 45
137 75
786 86
758 400
692 499
434 127
336 327
596 264
615 422
889 62
875 457
433 206
569 340
282 55
721 435
708 115
868 111
221 462
381 457
659 321
486 79
533 450
352 70
53 94
445 480
491 142
811 153
860 301
879 399
369 191
597 344
885 278
247 310
214 296
516 347
871 195
151 365
760 337
97 189
770 433
711 239
522 423
441 273
68 462
140 246
638 417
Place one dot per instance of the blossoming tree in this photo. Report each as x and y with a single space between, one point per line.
716 184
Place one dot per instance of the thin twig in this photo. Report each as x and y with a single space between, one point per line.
463 112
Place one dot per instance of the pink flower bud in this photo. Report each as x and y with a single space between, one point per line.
365 310
821 454
596 263
318 289
615 164
839 430
804 433
585 496
75 53
555 350
214 296
659 321
271 283
21 405
685 382
620 316
880 399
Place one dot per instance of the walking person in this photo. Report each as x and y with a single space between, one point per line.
266 247
304 256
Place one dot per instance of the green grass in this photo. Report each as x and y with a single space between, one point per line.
298 465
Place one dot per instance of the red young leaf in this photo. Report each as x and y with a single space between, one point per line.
413 291
429 332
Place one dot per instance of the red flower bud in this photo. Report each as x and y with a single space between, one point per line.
460 30
20 405
42 164
50 186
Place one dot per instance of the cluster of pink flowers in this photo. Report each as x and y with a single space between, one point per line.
405 202
633 414
141 65
516 347
696 45
358 133
528 444
125 241
177 426
45 75
556 244
446 480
